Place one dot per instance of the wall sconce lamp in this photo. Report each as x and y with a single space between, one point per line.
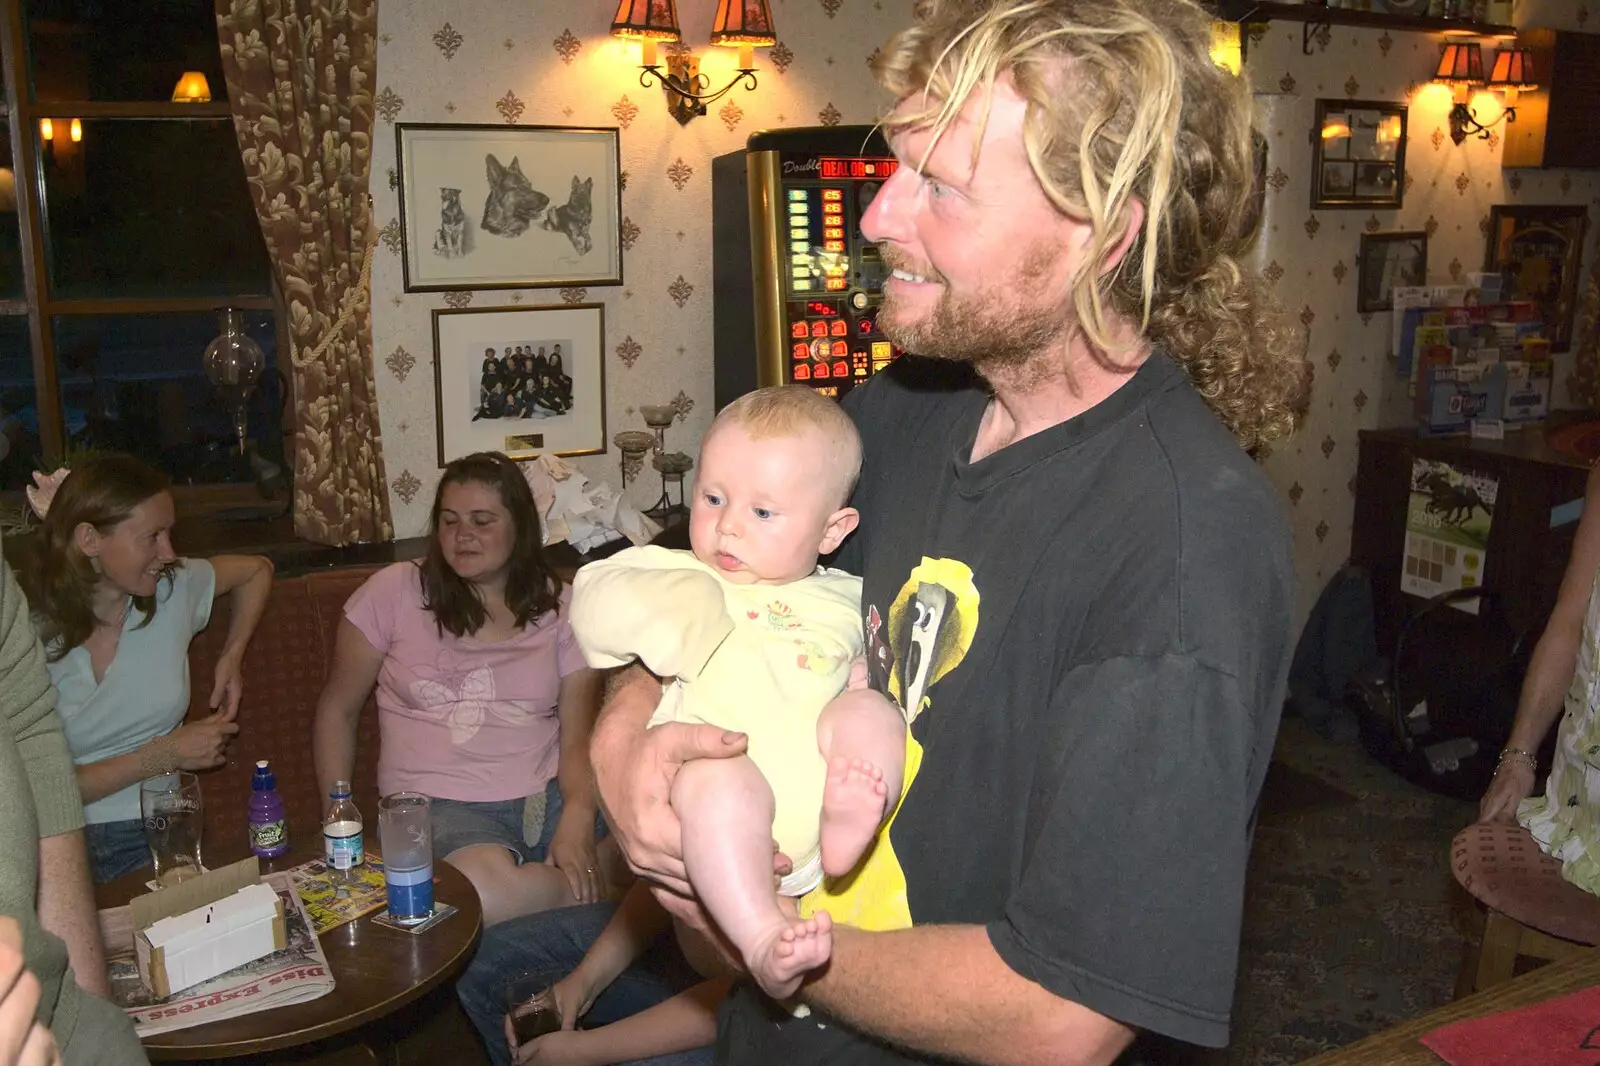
47 131
192 88
742 24
1461 68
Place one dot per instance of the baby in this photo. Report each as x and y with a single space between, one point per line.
754 636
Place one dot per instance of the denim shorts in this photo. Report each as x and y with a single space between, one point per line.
461 824
116 848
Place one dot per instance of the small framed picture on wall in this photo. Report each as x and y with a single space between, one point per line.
1539 249
1358 154
525 381
1389 260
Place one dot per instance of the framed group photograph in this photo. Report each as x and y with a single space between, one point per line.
1389 260
1358 156
525 381
508 207
1539 250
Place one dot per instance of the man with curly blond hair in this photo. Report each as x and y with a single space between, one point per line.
1077 584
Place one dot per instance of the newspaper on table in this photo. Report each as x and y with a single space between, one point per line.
294 975
330 904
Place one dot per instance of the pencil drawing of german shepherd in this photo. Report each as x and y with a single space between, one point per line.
574 216
513 202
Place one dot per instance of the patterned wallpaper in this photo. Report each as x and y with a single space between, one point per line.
498 61
493 61
1311 255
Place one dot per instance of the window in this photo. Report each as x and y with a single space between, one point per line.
125 226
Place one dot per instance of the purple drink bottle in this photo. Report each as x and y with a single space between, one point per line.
269 831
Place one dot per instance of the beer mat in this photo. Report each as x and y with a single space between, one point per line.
1559 1032
441 911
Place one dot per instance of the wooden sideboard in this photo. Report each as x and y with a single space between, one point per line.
1526 555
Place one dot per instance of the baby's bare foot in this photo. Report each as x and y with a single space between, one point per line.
780 962
854 800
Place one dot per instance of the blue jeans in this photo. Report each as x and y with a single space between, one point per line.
461 824
550 945
116 848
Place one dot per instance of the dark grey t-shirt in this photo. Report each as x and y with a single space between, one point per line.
1091 628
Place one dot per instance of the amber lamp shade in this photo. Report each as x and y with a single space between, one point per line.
1513 70
192 88
743 22
1460 63
647 20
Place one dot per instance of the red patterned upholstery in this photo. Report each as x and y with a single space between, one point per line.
284 668
1502 866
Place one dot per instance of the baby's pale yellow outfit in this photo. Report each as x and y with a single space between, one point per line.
760 659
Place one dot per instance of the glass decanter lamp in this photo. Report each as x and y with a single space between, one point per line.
233 362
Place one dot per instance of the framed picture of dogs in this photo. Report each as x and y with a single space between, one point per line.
508 207
521 380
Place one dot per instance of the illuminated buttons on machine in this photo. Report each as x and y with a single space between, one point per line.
799 241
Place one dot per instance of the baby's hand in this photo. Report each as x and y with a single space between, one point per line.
858 674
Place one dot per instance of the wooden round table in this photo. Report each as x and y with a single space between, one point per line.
376 972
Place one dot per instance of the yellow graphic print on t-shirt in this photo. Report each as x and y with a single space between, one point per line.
931 625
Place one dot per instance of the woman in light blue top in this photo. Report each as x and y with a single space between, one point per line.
116 609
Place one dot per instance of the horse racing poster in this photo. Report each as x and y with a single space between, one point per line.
1447 530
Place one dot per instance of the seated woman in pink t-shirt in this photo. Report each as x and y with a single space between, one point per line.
484 701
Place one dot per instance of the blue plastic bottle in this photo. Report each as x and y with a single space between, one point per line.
269 830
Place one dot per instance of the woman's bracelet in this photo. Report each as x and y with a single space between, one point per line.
158 757
1516 753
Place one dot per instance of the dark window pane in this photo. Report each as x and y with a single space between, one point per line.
121 49
136 384
19 414
150 207
10 234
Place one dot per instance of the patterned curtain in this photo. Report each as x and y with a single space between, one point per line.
300 75
1584 384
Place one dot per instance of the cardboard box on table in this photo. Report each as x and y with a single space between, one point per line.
201 928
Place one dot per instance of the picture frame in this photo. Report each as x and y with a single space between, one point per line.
1388 260
508 207
1358 154
1539 249
545 393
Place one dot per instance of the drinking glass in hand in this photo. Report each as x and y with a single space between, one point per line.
531 1005
171 807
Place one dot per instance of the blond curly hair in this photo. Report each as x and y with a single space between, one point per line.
1148 118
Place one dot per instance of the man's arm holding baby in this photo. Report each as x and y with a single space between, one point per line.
941 989
635 767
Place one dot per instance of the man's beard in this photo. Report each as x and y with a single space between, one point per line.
991 330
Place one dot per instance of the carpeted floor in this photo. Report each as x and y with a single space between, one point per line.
1352 920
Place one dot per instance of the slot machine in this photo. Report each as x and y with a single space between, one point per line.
796 285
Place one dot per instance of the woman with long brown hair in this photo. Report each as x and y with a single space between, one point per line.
116 609
484 701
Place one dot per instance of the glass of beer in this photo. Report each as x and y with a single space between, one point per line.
172 813
531 1005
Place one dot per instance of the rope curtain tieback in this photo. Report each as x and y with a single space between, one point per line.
349 302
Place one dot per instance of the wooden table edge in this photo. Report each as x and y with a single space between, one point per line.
1401 1045
468 906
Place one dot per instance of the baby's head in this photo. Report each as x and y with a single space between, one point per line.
776 472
